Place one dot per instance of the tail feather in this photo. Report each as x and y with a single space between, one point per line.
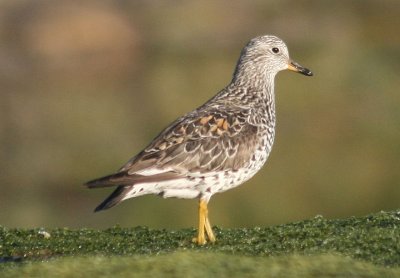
126 179
125 182
114 199
120 178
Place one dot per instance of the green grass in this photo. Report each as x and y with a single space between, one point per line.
202 264
365 246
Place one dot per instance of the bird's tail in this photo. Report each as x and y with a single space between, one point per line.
125 183
115 198
120 178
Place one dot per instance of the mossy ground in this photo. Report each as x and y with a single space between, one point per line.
366 246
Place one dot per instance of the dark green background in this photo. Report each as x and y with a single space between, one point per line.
85 85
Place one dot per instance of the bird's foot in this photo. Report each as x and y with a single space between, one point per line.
199 240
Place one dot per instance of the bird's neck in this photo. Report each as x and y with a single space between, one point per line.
254 90
255 76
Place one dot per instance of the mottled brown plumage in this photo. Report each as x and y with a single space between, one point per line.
215 147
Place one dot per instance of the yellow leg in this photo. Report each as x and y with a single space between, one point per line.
204 225
209 230
201 238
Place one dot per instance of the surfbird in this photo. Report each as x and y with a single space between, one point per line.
215 147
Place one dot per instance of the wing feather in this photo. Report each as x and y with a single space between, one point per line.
200 142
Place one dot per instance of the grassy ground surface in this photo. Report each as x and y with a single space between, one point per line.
366 246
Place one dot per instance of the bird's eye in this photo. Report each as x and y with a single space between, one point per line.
275 50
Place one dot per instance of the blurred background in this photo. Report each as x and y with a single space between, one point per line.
85 85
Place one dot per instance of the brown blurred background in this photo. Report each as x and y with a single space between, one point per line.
85 85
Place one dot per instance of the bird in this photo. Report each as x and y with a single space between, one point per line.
217 146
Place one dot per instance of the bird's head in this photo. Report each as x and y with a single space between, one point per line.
267 55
